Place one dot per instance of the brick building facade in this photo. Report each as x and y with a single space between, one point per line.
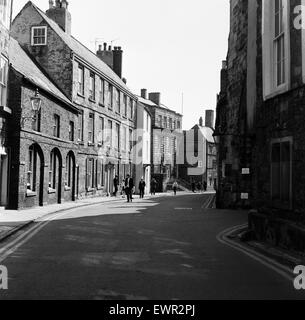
107 109
43 144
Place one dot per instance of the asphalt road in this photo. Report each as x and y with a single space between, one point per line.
164 248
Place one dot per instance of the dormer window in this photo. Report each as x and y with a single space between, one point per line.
39 36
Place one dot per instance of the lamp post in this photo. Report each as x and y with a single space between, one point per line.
36 103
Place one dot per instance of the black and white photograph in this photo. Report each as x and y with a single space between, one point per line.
152 153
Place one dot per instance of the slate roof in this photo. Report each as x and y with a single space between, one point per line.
80 50
23 64
207 133
152 104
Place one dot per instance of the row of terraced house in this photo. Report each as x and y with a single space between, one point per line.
69 122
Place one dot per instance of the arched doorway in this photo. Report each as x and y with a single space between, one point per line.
35 173
55 174
70 174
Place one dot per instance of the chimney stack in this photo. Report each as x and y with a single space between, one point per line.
201 122
155 97
144 93
209 118
118 61
60 14
223 76
113 58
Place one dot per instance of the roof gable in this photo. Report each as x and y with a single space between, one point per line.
82 51
23 64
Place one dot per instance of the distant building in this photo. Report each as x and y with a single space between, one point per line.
105 126
143 147
200 154
166 129
5 111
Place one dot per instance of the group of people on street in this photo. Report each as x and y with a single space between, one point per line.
128 187
199 186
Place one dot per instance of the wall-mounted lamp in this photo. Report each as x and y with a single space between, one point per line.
36 103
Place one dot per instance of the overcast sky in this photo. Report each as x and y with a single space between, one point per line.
170 46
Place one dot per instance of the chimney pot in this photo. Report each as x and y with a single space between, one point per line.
109 48
100 48
105 46
144 93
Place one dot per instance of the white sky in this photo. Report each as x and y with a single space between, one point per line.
170 46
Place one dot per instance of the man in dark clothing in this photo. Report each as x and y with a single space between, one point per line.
116 185
142 186
193 186
205 186
129 188
153 186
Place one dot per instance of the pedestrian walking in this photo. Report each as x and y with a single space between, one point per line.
116 185
153 187
129 184
205 186
199 187
175 187
142 186
193 187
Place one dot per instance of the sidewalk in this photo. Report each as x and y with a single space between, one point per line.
11 221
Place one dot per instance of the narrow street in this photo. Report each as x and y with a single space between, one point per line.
163 248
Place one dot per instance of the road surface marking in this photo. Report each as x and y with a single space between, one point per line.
266 261
11 247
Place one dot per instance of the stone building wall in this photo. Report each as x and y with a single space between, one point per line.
22 137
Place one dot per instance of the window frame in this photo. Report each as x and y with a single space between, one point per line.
80 129
91 120
271 87
280 203
56 125
71 131
80 80
4 81
101 91
33 29
32 169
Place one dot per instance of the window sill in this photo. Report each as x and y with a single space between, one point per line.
30 194
99 188
91 144
81 143
38 45
91 189
80 95
276 91
51 191
92 100
67 188
101 104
